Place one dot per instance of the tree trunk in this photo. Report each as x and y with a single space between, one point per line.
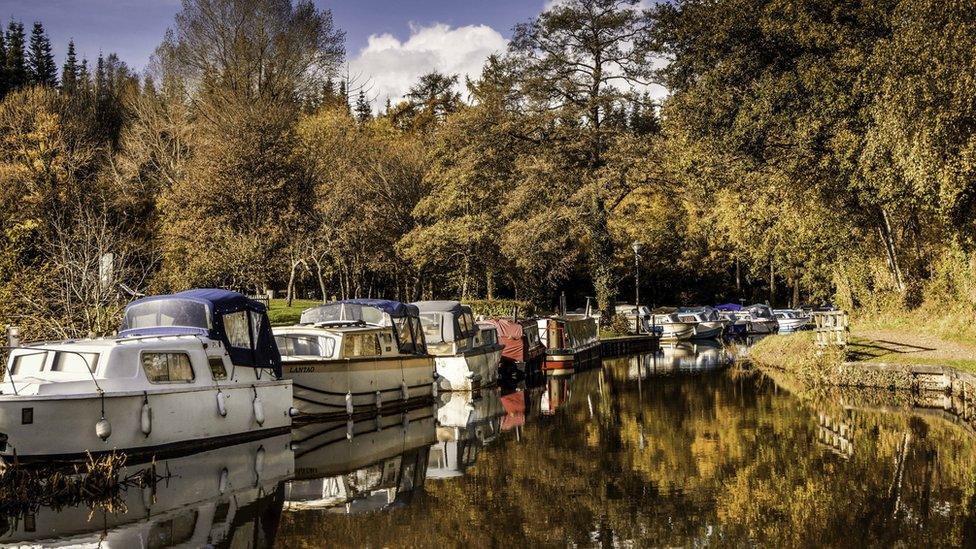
291 282
464 277
772 283
490 283
738 277
601 252
318 273
796 291
889 242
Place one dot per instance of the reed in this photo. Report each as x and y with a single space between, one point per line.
98 483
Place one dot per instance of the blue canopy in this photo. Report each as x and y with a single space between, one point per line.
213 313
729 307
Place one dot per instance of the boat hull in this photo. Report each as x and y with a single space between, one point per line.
324 387
564 361
709 330
756 327
791 324
63 428
677 331
469 371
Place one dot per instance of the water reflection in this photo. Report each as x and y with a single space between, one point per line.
226 497
664 449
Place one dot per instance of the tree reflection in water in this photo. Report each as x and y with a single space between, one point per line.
631 453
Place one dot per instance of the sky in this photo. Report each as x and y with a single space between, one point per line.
389 43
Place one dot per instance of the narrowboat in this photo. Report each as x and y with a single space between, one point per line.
464 360
356 356
523 350
572 341
187 371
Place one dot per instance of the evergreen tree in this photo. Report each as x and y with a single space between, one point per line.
16 62
41 69
364 111
69 73
387 107
343 95
84 77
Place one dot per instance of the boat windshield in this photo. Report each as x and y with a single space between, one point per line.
337 312
167 313
431 323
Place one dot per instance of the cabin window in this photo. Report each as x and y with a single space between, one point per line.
28 363
167 367
386 341
235 324
464 325
431 323
489 337
256 319
354 345
404 332
81 363
299 345
217 369
166 313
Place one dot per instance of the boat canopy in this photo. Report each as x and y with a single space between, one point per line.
239 322
379 312
708 314
446 321
729 307
760 310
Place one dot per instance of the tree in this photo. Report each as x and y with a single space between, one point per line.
70 71
577 62
3 67
428 102
16 62
41 70
364 111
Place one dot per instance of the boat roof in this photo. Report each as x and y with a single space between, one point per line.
220 301
439 307
729 307
393 308
332 329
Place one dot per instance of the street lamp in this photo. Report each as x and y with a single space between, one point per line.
636 246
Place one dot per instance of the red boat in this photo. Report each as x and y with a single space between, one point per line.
523 350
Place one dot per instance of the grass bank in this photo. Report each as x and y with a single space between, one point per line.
281 314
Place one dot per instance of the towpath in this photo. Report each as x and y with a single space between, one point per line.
909 347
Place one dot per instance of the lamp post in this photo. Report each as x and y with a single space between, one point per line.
636 245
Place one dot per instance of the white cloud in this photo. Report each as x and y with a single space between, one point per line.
391 66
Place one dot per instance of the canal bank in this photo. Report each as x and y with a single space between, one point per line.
867 363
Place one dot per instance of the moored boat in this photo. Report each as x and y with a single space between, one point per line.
760 320
188 371
357 356
708 323
672 328
572 341
523 350
791 320
464 360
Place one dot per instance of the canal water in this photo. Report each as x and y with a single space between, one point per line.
673 449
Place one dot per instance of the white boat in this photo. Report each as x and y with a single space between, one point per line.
672 328
188 371
365 466
708 323
357 355
217 498
760 320
790 320
465 361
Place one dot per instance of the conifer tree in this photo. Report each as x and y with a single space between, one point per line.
16 63
343 95
84 77
41 70
69 73
364 111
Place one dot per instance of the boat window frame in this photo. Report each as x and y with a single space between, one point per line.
211 362
14 362
142 363
91 367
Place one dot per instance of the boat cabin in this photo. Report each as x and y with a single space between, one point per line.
449 327
403 318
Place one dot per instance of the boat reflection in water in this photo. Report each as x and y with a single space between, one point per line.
226 497
466 423
679 358
357 467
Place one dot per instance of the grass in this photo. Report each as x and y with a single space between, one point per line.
281 314
953 323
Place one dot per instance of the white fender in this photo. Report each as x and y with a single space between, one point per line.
349 408
433 389
258 411
350 427
222 481
259 461
405 393
103 429
148 496
146 422
222 403
379 399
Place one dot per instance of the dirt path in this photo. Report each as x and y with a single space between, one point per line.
905 346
